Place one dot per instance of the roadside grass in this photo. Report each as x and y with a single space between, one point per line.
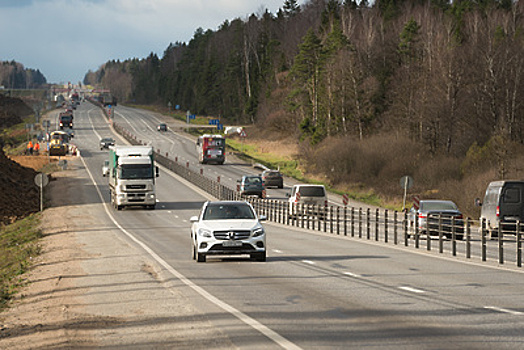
19 244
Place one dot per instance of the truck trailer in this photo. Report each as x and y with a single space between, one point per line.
132 173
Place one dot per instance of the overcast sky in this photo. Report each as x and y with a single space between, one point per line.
66 38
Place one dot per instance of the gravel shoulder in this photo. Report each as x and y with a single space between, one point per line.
90 288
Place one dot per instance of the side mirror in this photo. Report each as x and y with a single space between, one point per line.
193 219
288 194
478 203
262 218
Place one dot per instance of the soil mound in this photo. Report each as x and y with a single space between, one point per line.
19 195
12 111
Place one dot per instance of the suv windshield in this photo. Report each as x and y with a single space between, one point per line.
312 191
228 211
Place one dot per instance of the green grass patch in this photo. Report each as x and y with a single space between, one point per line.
19 243
288 167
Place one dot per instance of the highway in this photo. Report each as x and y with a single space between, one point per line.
316 290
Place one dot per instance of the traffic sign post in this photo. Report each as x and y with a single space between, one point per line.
405 183
41 180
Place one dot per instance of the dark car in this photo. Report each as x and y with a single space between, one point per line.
162 127
436 216
272 178
251 185
106 142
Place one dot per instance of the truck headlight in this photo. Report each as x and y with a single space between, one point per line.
258 232
204 232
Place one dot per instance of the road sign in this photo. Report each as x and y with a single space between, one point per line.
243 133
406 182
41 180
345 199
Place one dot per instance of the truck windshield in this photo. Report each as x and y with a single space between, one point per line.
136 171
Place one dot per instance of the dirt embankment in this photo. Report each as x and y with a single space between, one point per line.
19 194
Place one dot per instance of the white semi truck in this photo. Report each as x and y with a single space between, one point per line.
132 173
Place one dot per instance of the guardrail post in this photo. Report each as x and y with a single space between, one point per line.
416 232
468 238
345 221
519 245
501 248
386 226
440 235
352 221
395 228
368 224
428 233
359 222
483 239
308 219
325 217
338 220
376 223
453 237
330 219
406 234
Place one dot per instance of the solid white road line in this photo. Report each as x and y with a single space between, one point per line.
413 290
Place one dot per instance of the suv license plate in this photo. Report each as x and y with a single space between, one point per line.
232 244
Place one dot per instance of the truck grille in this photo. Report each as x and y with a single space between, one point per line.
232 234
135 187
136 197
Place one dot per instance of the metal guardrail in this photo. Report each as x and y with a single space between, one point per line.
380 225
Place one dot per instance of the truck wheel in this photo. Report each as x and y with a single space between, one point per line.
193 251
200 257
119 207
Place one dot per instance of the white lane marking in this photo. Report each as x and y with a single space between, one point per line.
506 311
413 290
278 251
271 334
309 262
352 274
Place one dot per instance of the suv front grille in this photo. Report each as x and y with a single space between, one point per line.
236 234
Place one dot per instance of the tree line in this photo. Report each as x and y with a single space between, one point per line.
14 75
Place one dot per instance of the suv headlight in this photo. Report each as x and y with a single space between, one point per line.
258 232
204 232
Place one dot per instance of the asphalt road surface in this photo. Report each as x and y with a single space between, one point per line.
315 290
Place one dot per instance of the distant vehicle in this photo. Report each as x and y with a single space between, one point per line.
434 214
105 168
58 143
162 127
250 185
107 99
211 149
106 142
227 228
312 196
503 204
272 178
65 120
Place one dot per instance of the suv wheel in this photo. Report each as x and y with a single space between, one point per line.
200 257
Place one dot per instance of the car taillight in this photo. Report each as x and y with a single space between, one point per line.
498 211
422 216
459 216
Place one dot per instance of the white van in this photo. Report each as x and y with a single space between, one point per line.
313 196
503 205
